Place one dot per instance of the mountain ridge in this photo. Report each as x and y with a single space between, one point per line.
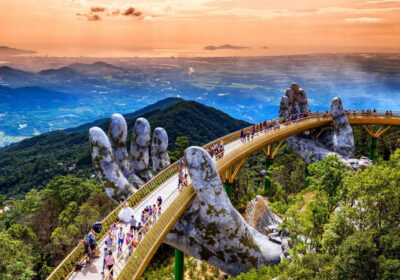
33 162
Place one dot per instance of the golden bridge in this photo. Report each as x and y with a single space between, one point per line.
132 266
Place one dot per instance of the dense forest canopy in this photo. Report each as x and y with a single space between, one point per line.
343 225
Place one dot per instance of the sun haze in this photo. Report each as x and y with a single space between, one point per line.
199 27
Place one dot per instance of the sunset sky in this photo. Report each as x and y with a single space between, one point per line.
185 27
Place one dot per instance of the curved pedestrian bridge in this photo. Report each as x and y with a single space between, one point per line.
131 265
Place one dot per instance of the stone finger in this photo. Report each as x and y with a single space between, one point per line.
159 150
117 134
111 176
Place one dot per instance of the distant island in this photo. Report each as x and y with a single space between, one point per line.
225 47
6 51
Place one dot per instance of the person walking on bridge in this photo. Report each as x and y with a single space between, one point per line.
114 230
121 237
132 223
104 260
110 263
87 250
109 241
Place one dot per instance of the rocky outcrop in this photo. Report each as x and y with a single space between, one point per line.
121 173
261 217
159 152
212 230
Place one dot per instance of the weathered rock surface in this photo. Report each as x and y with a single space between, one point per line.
140 149
212 230
121 173
261 217
343 140
284 107
340 141
117 135
159 152
116 185
303 102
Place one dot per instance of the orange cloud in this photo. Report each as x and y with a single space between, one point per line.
363 19
90 17
97 9
132 12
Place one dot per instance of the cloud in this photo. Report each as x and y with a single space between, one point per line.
223 94
363 19
382 2
224 47
132 12
90 17
115 12
97 9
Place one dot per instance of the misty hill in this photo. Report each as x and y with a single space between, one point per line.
156 106
76 69
11 75
21 98
34 161
5 51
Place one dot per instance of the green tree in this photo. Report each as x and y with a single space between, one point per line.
356 258
15 261
24 233
181 144
2 200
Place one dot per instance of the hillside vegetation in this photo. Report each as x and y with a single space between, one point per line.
32 163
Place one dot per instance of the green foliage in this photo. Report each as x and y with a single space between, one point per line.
63 213
181 144
15 263
25 233
2 199
358 240
356 257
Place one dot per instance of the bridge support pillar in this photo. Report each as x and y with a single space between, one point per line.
372 149
228 189
374 136
268 163
179 265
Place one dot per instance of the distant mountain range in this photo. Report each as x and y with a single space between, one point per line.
32 162
80 90
6 51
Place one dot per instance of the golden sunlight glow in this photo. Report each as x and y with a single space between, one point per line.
186 27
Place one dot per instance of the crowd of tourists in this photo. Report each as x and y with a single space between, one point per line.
368 112
216 150
116 236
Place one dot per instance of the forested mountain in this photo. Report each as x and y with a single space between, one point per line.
35 161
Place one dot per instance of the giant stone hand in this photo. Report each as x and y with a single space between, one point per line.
212 230
121 173
313 147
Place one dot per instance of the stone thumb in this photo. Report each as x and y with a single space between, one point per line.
206 181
